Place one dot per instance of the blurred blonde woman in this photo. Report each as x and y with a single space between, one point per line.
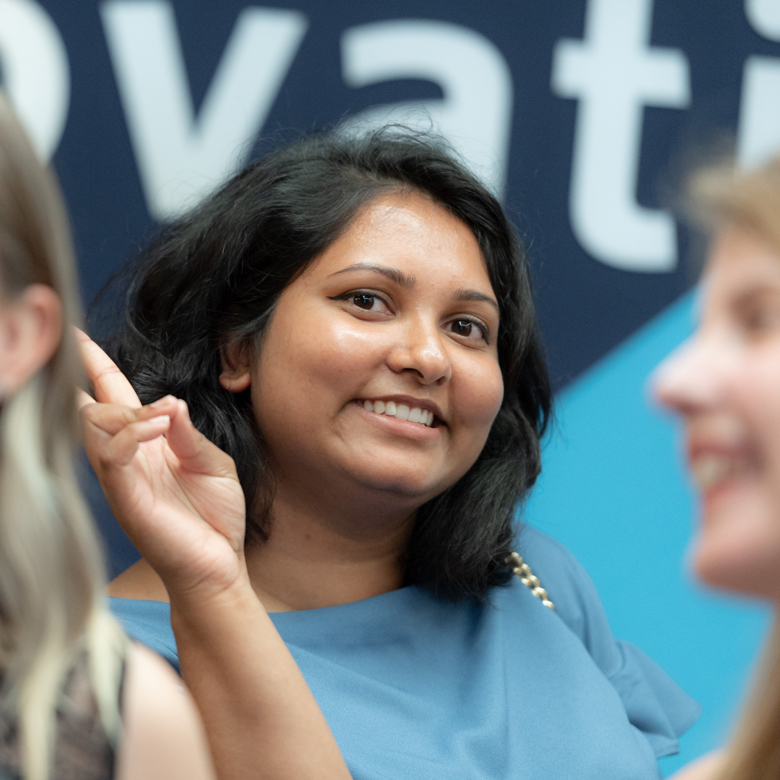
77 701
725 384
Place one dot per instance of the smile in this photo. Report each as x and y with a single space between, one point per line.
413 414
713 469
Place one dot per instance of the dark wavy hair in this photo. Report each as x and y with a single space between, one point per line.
214 277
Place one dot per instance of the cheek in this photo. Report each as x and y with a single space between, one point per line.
310 356
738 545
755 396
481 394
335 359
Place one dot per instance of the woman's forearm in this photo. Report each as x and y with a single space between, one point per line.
261 718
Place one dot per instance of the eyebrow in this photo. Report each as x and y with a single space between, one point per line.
405 280
473 295
399 277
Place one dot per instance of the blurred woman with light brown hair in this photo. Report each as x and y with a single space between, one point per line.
724 382
76 699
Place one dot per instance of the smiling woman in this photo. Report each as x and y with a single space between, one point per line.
725 384
207 296
351 321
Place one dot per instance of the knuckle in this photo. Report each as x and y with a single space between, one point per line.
88 414
105 459
107 371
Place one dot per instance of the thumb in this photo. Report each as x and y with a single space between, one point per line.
195 452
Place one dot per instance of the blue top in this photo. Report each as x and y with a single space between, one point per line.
415 688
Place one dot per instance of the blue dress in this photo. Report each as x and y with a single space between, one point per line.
415 688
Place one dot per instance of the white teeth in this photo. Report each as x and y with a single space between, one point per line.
400 411
706 471
709 470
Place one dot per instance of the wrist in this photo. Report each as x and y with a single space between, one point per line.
192 587
206 606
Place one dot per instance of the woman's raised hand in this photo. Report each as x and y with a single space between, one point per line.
176 495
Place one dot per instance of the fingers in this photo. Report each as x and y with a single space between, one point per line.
83 399
110 419
110 384
193 449
113 433
120 449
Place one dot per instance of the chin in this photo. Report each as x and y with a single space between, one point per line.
406 483
748 570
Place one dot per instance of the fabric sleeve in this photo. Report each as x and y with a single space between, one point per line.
148 622
654 703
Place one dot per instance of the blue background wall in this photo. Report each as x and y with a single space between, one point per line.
584 115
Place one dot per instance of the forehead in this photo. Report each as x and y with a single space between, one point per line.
740 261
411 232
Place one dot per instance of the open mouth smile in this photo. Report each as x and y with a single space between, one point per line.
712 469
402 411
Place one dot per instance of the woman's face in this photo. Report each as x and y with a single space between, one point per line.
725 383
397 319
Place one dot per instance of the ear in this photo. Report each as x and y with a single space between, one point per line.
30 332
236 373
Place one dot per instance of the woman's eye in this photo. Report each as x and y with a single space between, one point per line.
760 319
469 329
364 300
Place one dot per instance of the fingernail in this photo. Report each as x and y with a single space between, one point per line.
186 410
161 402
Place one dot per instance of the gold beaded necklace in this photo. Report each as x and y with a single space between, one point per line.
528 578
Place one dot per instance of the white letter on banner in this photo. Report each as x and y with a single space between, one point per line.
758 136
764 17
475 115
614 73
35 72
182 159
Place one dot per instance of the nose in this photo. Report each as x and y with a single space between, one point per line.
421 349
690 379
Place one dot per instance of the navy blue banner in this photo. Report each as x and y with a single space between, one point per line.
580 114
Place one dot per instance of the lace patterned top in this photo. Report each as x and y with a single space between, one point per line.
83 750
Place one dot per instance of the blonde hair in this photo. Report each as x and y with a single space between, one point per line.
723 196
754 752
51 570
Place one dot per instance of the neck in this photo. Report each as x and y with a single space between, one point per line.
327 554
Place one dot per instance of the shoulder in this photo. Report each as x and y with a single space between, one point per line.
567 583
139 581
163 736
148 622
549 556
707 767
653 701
